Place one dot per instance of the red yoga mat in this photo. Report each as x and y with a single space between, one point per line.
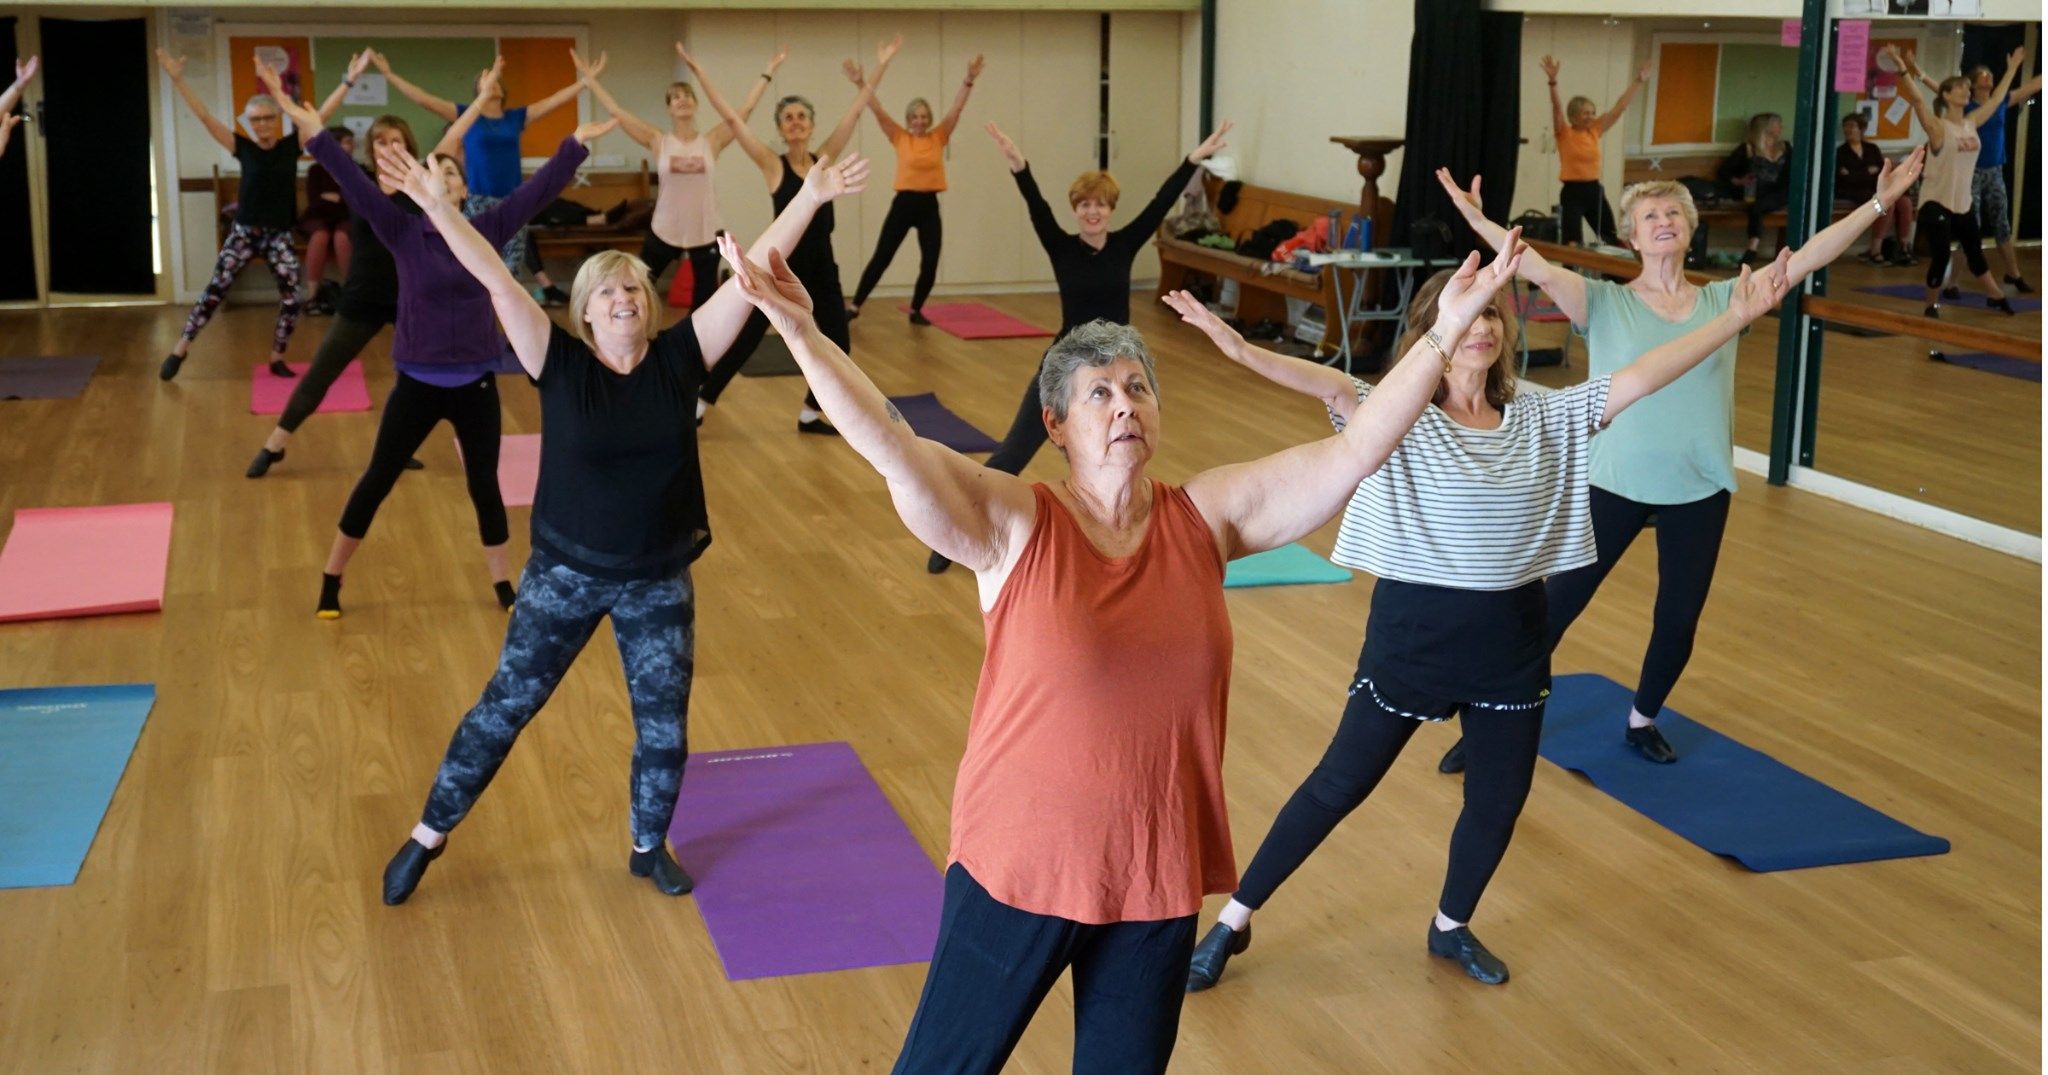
268 392
85 561
518 467
974 321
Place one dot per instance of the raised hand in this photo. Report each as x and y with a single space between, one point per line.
775 61
306 119
1211 145
773 289
854 74
1550 68
974 67
378 61
689 61
357 64
1896 179
1643 75
1466 201
420 181
173 66
1192 311
489 78
830 179
1010 151
1468 291
2015 58
588 70
1758 293
591 132
26 69
887 50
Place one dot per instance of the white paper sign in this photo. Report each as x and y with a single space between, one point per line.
1897 111
360 125
370 90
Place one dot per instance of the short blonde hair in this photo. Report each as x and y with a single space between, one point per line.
611 265
915 104
1668 189
1571 107
1093 184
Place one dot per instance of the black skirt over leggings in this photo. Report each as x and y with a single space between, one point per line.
412 411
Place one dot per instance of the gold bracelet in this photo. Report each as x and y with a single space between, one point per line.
1437 344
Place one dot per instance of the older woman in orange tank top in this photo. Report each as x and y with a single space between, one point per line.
1088 816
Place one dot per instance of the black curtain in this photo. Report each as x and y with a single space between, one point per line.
1990 45
97 140
1464 113
17 250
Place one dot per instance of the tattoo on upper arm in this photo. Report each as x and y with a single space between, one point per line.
894 414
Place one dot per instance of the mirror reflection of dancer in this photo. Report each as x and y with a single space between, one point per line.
1950 209
266 205
1092 269
618 517
920 177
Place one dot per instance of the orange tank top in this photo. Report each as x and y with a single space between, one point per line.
920 160
1578 155
1092 786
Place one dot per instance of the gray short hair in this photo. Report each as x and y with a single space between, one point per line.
1093 345
263 100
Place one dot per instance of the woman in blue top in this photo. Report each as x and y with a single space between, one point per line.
1671 457
490 151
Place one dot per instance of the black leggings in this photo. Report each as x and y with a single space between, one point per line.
1688 545
346 337
659 255
828 307
1765 204
412 411
1027 430
1500 761
1585 200
917 209
1942 226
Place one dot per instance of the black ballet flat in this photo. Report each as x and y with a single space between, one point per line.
260 465
1932 311
937 564
403 873
2019 284
1461 947
663 868
1213 954
818 425
1453 759
279 369
2003 305
1952 293
170 367
917 317
1650 743
410 464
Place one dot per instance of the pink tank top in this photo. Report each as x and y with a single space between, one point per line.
686 204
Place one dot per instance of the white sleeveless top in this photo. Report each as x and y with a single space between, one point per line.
1947 179
685 206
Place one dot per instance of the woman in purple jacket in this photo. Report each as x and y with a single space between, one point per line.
446 348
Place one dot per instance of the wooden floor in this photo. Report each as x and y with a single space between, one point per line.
228 920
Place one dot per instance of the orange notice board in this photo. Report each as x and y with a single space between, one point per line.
1687 79
535 68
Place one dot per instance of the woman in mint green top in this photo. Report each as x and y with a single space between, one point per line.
1670 457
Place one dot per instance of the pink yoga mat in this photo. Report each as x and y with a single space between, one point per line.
269 392
518 468
85 561
974 321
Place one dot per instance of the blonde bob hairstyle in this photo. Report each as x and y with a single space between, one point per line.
1093 184
1667 189
607 265
1500 377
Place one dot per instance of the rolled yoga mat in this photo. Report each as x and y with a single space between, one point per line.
975 321
85 561
1721 795
1972 299
801 863
268 393
48 377
62 753
1288 565
931 420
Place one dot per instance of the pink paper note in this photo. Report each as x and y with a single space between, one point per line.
85 561
269 392
1852 56
1788 33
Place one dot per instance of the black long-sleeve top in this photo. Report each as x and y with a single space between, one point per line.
1097 283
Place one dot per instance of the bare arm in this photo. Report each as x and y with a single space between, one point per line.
174 66
439 106
763 157
451 139
1935 135
1269 502
719 320
1982 114
1613 115
356 64
882 117
836 141
722 135
2023 92
961 509
1830 242
1566 288
8 121
24 70
637 129
1754 295
585 75
1558 122
952 119
1313 379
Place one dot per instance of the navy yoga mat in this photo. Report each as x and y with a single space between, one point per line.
1288 565
931 420
1972 299
62 752
2010 367
49 377
1725 797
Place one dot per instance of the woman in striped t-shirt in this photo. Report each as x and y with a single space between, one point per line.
1484 497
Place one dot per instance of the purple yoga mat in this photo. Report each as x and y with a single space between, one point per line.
801 863
2010 367
931 420
1972 299
51 377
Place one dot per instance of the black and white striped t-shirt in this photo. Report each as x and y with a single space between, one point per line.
1480 509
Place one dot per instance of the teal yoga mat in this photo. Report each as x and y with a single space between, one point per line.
62 752
1288 565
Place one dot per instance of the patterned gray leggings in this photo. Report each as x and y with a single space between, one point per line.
557 612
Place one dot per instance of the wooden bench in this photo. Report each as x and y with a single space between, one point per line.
1263 285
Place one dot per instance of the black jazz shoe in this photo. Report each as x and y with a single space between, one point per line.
1461 946
406 868
1214 953
1650 743
1453 759
937 564
666 872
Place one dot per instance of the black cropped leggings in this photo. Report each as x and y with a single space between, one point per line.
1941 226
912 209
412 411
1584 201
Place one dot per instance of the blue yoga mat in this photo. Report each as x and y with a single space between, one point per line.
1721 795
62 751
1999 364
1287 565
1972 299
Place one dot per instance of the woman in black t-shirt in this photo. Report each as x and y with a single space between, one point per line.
618 516
265 206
